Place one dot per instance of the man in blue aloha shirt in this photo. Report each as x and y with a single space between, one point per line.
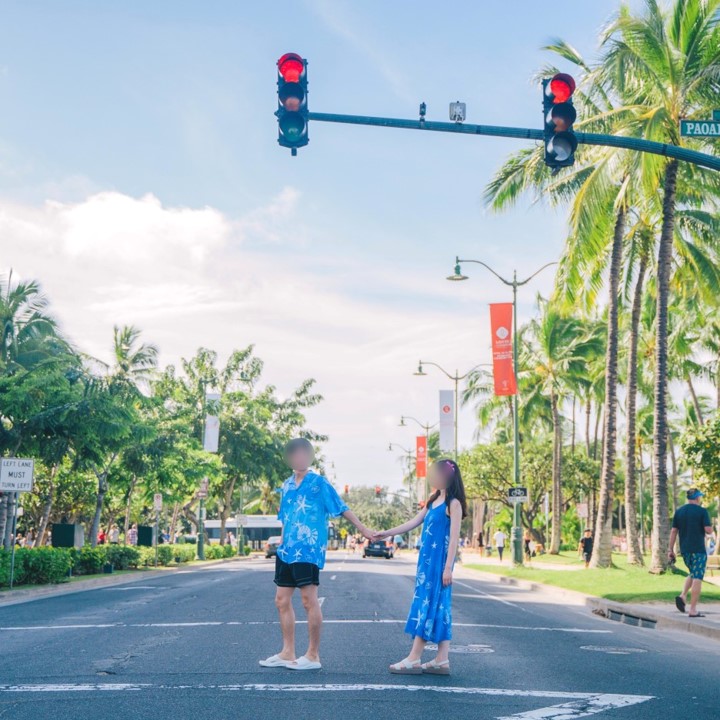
308 502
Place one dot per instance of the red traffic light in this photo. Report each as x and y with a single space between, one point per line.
377 489
347 489
291 66
562 86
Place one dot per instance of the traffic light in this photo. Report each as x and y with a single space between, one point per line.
378 490
559 114
347 490
292 112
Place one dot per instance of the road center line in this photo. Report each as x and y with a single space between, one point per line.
482 593
378 621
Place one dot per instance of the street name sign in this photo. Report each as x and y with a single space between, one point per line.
16 475
700 128
518 495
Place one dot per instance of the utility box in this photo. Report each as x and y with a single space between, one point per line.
68 535
146 535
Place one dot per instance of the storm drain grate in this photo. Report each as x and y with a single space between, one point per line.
631 619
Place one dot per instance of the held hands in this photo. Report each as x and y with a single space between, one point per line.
447 577
368 534
380 535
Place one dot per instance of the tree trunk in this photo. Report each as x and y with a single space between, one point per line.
99 502
634 553
695 401
659 561
602 549
674 473
3 516
133 482
588 413
556 532
572 434
598 417
173 523
12 500
47 508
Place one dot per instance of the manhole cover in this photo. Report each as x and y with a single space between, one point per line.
612 650
464 649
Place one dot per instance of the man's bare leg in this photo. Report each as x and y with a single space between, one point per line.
283 602
695 596
309 595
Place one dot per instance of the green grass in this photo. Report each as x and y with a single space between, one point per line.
622 583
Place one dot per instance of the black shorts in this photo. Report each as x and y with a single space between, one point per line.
296 575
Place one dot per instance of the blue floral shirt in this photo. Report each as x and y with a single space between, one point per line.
305 512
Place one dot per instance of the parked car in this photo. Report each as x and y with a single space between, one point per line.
271 545
378 548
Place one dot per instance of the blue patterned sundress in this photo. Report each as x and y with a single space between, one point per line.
430 615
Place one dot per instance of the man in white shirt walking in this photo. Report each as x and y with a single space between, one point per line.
499 539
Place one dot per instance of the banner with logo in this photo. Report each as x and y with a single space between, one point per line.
501 318
447 420
211 436
421 456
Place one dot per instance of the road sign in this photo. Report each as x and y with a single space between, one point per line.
157 501
16 474
201 494
518 495
242 520
582 510
700 128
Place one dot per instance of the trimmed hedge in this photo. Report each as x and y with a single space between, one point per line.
36 566
39 566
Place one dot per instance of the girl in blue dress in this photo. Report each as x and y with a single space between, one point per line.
430 617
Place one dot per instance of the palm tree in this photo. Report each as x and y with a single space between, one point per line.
664 66
133 361
558 348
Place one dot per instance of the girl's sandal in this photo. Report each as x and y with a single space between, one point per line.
436 668
407 667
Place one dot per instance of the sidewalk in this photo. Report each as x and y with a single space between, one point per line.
653 615
39 592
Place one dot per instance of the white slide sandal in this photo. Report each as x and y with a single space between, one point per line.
302 663
275 661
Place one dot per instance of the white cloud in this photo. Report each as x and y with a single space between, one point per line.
192 277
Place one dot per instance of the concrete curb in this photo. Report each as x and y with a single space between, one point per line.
16 597
626 613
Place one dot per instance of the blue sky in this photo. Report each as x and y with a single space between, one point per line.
141 182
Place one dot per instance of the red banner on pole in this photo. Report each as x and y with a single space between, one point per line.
501 318
421 456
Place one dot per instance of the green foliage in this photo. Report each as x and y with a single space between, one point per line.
377 512
37 566
701 448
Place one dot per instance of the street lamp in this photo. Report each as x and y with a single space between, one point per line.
458 276
456 378
408 456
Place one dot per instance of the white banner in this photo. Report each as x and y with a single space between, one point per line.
447 421
211 437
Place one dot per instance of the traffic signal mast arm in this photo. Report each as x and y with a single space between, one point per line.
618 141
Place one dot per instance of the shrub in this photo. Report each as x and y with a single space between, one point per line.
122 557
88 560
36 566
214 552
229 551
183 553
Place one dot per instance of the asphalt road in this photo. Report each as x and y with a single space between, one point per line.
187 646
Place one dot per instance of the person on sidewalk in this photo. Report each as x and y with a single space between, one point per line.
691 524
585 547
308 502
499 539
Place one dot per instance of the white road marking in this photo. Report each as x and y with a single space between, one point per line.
612 650
321 601
332 577
580 704
482 593
136 587
377 621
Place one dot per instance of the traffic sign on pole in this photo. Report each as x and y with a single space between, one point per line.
518 495
157 501
701 128
16 475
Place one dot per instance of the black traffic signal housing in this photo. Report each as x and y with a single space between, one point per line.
292 111
559 115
